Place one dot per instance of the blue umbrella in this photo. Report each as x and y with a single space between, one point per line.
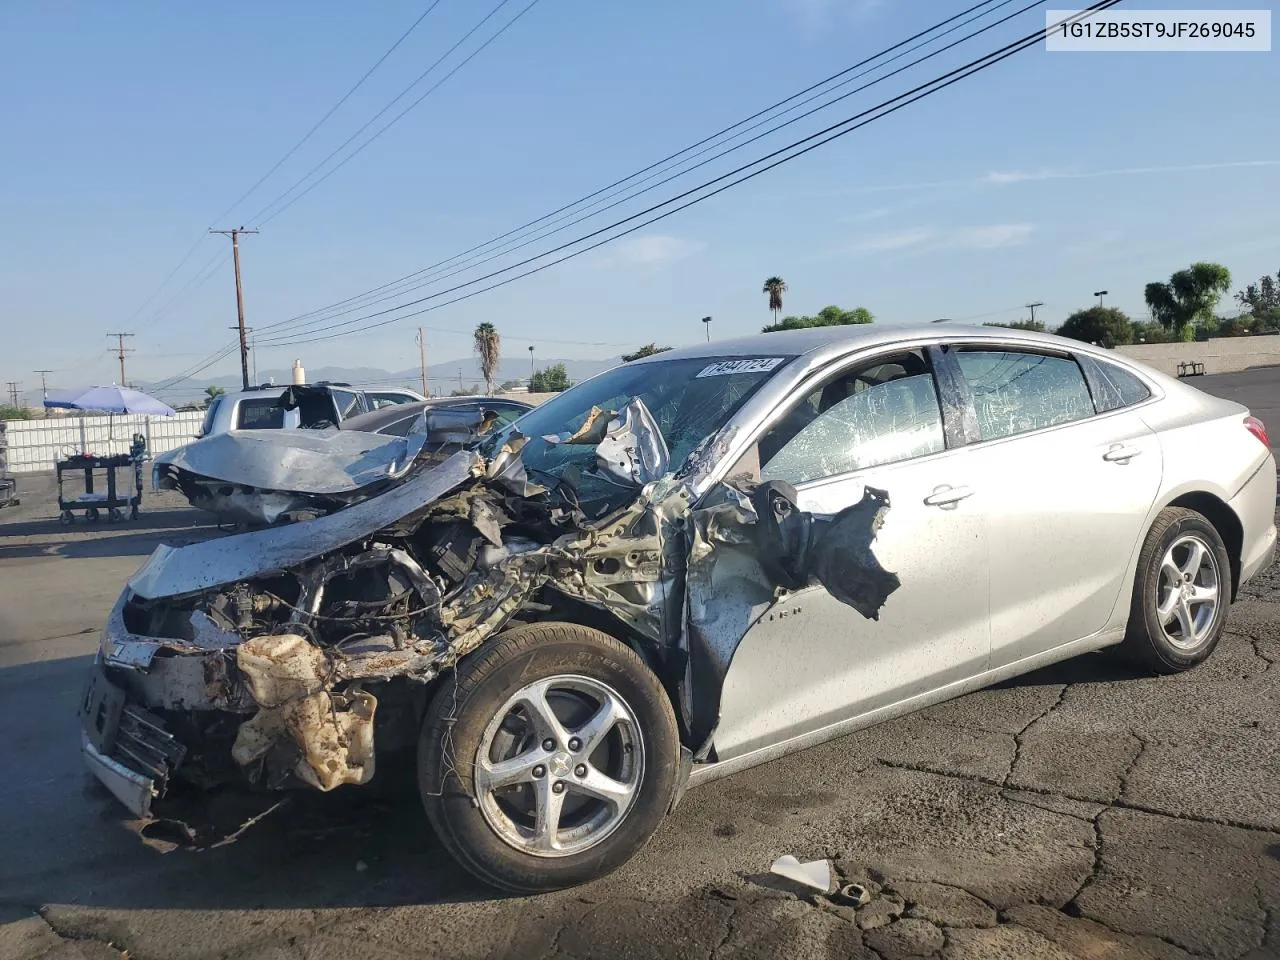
109 399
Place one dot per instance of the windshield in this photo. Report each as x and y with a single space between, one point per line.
689 399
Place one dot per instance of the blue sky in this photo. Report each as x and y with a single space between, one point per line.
129 127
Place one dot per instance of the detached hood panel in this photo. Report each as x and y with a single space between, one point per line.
297 461
172 571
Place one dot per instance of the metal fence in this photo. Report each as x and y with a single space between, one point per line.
36 445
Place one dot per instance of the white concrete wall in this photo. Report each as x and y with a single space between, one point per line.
1223 355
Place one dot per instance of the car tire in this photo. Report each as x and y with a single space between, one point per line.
493 710
1170 630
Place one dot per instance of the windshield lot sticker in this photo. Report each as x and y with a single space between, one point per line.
725 367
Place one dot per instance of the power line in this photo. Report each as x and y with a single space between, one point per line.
307 136
261 216
311 327
198 280
520 231
813 141
331 111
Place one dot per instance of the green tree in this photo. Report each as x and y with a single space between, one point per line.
774 288
1035 326
648 350
212 393
1105 326
10 412
1189 297
488 345
1151 332
1262 300
831 316
551 380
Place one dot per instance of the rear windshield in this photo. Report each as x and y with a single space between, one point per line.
260 414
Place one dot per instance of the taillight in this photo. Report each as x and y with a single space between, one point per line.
1256 427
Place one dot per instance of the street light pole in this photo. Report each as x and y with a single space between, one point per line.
1100 294
532 369
707 321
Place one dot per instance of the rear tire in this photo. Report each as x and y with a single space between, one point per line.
521 738
1181 593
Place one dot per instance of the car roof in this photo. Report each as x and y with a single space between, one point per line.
847 338
819 344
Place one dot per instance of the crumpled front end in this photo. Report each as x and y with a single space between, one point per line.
296 656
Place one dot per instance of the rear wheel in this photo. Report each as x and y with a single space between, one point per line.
1182 592
551 760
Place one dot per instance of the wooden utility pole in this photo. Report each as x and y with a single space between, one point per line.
44 386
120 352
14 387
422 359
1032 308
234 234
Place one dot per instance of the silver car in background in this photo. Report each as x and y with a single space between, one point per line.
683 567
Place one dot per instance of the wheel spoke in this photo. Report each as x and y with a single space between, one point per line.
1170 569
593 732
1185 619
546 828
505 773
603 787
1195 557
546 724
1169 608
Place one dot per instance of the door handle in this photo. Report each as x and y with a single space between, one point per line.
1120 454
945 496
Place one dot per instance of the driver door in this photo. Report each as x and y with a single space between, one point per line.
809 660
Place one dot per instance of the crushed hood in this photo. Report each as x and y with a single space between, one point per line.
330 463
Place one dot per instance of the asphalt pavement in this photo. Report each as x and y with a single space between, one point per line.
1083 812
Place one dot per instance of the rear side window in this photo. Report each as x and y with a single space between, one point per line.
348 403
263 414
1117 386
1017 392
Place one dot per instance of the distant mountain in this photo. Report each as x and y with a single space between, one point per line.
442 377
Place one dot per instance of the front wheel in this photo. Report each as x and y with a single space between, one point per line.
551 760
1181 594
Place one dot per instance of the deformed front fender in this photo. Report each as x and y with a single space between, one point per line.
174 571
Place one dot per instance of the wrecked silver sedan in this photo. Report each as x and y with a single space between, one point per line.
685 566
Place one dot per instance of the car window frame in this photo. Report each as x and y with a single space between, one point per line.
954 435
1095 372
950 348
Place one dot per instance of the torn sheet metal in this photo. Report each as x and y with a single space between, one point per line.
629 445
171 571
295 461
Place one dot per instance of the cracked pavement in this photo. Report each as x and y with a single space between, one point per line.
1086 811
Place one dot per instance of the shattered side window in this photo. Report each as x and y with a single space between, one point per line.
1018 392
884 413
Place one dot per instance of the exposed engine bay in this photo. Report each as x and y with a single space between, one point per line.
295 656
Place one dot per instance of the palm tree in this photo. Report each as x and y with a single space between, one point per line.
775 287
487 345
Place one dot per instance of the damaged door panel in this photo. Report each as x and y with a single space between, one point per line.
891 597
